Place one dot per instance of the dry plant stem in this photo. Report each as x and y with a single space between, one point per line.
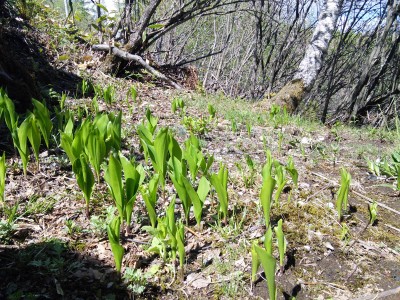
127 56
368 200
192 232
325 283
381 295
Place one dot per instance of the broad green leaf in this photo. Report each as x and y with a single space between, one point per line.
96 150
22 145
203 189
174 148
68 130
176 178
292 171
220 183
132 181
101 122
116 130
113 177
149 196
161 154
42 115
269 266
113 231
34 136
102 7
151 121
266 197
194 197
66 144
8 110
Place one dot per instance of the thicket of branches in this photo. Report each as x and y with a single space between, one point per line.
252 48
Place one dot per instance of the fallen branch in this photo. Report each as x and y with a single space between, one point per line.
127 56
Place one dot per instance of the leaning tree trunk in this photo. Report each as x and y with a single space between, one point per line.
293 92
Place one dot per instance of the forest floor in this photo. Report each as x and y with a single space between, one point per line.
50 250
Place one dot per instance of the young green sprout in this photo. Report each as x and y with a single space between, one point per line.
282 244
149 195
197 198
266 196
373 211
85 179
220 183
343 194
180 238
113 231
268 263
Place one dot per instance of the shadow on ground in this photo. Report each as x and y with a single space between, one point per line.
52 270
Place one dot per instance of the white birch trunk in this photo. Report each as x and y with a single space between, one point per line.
312 62
293 92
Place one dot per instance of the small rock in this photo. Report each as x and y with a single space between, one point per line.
329 246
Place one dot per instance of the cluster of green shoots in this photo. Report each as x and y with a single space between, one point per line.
197 126
88 145
36 125
274 179
388 167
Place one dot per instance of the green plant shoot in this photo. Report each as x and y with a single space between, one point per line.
178 168
292 171
255 262
161 145
149 195
373 212
180 240
134 177
113 231
266 197
282 244
281 180
269 264
343 193
220 183
42 116
85 179
268 240
113 177
197 198
96 150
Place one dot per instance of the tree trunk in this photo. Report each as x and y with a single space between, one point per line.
136 38
354 102
293 92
